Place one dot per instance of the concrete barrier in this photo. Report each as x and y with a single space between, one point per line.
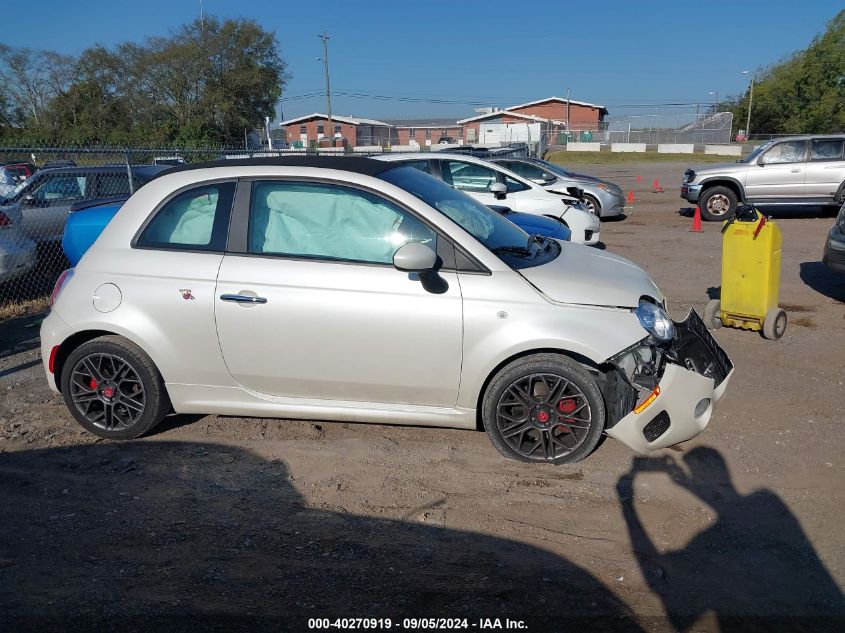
675 148
369 149
627 147
583 147
724 150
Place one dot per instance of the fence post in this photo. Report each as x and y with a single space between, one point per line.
126 154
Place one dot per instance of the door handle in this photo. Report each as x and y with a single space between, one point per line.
243 299
795 171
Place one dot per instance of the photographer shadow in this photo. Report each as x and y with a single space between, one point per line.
753 568
160 536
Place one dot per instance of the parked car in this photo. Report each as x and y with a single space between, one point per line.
834 247
8 183
796 170
46 197
18 254
332 288
20 171
601 197
535 224
445 140
492 184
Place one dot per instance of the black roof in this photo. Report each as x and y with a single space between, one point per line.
358 164
148 171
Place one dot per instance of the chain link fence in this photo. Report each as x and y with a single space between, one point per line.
41 187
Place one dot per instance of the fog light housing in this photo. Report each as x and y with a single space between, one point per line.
701 407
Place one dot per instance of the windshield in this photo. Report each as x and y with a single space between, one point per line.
558 169
13 196
491 229
756 152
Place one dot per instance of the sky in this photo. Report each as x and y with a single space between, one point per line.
626 55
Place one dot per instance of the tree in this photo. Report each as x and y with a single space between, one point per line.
204 84
805 94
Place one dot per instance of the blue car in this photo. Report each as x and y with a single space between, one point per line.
536 224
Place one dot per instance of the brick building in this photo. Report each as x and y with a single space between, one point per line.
424 132
553 114
311 129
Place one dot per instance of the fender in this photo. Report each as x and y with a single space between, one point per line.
715 180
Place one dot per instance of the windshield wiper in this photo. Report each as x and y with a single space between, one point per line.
520 251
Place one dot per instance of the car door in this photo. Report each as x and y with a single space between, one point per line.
825 168
779 172
46 207
309 304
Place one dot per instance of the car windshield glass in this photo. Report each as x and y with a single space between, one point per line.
756 152
14 195
558 169
487 226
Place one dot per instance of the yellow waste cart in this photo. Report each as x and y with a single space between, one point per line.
751 246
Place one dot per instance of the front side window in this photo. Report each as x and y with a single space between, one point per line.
196 219
61 187
826 149
487 226
468 176
786 152
330 222
514 185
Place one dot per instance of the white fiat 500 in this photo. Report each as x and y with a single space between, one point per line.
351 289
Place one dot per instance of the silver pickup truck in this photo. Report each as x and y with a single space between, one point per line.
795 170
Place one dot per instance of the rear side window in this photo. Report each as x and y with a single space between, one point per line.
196 219
115 184
826 149
331 222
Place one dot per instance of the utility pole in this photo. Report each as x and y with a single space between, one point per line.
750 101
325 60
567 115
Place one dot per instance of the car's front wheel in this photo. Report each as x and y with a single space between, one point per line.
544 408
717 203
113 389
592 205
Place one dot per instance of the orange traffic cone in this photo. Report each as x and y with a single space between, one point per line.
630 196
657 188
696 221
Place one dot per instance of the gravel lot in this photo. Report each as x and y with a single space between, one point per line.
246 524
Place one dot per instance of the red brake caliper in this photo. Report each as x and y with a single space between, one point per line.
93 384
567 405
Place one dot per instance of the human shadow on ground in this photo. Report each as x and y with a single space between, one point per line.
753 568
823 280
157 536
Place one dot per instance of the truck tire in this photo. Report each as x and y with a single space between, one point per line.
717 203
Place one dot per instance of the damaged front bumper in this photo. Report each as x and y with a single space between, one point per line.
667 394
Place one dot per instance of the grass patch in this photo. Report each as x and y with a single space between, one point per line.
614 158
24 308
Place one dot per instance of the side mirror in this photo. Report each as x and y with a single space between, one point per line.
547 177
28 200
414 257
761 162
499 190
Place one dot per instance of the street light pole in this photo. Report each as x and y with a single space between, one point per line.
325 60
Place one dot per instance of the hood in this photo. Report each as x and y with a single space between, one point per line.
719 167
586 276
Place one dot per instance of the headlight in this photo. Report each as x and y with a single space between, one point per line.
655 321
601 185
689 176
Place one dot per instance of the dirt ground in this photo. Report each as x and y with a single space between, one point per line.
242 524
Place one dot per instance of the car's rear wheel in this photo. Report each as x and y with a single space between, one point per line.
717 203
113 389
544 408
592 205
